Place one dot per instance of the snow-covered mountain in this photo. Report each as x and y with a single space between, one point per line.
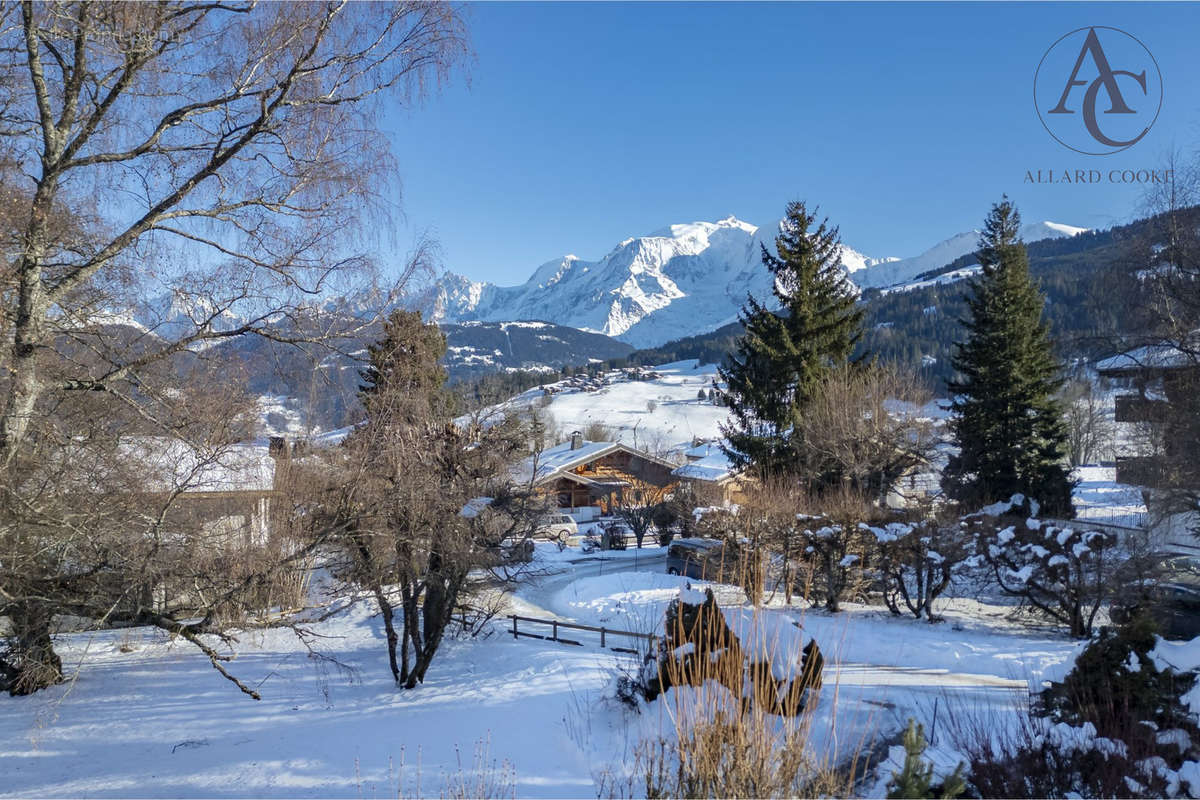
677 281
176 313
646 290
896 271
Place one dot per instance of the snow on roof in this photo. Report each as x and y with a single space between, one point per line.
1157 355
474 507
713 467
175 465
544 465
701 450
710 463
561 459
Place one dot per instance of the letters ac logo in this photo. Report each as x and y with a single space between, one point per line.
1070 99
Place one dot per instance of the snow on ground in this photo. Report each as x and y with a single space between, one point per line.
160 722
148 717
1099 498
662 414
157 720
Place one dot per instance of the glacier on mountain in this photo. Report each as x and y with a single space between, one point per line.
677 281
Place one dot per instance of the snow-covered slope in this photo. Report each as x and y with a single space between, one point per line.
689 278
659 410
677 281
890 273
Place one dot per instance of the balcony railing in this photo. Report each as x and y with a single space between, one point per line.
1136 408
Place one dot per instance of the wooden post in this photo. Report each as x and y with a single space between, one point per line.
555 635
602 637
514 619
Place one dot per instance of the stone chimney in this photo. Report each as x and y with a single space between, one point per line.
576 440
278 447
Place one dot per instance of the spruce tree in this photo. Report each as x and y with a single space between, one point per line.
1009 428
782 357
404 382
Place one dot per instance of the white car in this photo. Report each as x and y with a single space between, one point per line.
559 527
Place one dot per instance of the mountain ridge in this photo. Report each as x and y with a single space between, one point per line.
679 280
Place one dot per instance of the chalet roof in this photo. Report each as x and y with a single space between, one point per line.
702 450
174 465
1166 355
714 467
707 462
558 461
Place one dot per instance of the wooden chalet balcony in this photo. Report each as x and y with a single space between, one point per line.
1143 471
1136 408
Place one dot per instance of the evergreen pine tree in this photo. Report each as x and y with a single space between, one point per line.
404 380
915 780
782 357
1009 428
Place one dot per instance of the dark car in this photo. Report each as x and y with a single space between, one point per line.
1172 600
696 558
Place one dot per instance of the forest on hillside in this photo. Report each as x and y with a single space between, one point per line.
917 327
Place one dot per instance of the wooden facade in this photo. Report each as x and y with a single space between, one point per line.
615 474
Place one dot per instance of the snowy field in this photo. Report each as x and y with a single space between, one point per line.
148 717
659 415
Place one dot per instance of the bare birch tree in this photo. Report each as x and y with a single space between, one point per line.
225 154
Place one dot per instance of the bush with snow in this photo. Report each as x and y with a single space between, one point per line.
1120 723
1063 573
699 646
917 561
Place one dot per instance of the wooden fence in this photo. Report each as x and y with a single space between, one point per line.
557 625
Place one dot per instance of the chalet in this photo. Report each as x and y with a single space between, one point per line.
1148 382
1156 390
225 494
581 474
710 471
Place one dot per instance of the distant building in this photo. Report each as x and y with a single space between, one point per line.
712 474
1158 387
226 494
1149 381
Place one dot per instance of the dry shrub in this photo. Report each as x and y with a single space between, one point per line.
749 754
736 729
484 778
599 432
699 646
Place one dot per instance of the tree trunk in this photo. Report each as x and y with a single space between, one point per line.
832 587
385 608
31 663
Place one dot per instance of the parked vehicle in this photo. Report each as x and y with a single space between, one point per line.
696 558
557 527
1172 601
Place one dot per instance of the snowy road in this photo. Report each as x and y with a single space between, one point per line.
848 674
540 597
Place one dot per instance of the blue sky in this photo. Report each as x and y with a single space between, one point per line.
581 124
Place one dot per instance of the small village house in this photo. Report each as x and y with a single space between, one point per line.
710 472
585 477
